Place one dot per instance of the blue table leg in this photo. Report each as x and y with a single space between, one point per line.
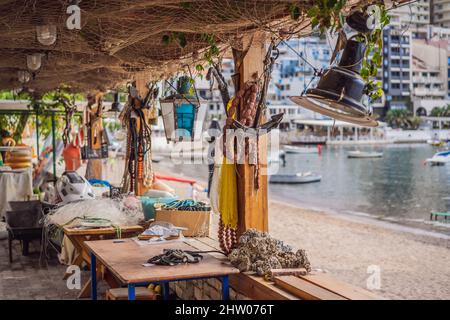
93 277
166 290
225 288
131 292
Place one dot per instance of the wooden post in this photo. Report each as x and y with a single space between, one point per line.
252 201
142 89
94 167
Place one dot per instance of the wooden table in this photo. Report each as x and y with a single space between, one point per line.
125 261
79 236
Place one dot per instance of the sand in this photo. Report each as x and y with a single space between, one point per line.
413 265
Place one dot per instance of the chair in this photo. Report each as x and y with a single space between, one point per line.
24 225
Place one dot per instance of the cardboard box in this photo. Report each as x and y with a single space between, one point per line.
197 222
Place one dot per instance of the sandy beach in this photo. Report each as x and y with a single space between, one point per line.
413 265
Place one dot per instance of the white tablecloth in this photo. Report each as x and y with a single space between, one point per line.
14 186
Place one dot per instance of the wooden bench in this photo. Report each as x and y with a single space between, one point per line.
314 286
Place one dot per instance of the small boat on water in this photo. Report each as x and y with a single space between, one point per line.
302 150
296 178
364 154
437 143
439 158
275 157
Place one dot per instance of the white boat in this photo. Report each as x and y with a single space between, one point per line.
300 177
364 154
303 150
275 157
439 158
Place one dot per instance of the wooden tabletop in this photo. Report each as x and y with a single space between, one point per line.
125 260
98 231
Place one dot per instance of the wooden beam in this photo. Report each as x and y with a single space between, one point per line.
252 201
304 289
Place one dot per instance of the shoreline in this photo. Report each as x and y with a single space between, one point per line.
413 263
367 218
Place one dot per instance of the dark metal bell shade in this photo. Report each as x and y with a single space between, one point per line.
340 89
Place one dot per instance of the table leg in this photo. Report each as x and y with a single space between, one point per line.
93 277
131 292
165 290
225 288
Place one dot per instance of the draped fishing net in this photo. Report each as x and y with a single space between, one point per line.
121 37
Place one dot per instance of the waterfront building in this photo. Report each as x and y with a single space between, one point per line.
430 75
440 13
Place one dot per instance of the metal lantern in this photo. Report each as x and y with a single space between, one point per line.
23 76
46 34
183 114
340 89
116 106
34 61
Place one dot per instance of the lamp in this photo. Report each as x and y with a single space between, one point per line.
116 106
182 113
46 34
340 89
34 61
23 76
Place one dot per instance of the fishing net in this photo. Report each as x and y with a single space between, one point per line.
119 38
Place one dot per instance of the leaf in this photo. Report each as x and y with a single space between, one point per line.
166 39
294 12
185 5
182 39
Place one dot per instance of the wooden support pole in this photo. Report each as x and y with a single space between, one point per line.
252 201
141 80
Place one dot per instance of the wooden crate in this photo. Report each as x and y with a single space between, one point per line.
196 222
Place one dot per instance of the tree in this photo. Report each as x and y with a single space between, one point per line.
402 118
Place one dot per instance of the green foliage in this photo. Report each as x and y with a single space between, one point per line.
440 111
373 58
178 37
402 118
324 15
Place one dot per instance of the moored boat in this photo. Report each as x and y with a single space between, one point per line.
364 154
297 178
439 158
303 150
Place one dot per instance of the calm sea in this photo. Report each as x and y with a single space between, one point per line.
397 187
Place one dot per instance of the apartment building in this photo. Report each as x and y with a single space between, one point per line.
440 13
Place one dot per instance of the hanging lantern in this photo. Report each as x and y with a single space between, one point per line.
46 34
340 89
23 76
183 114
34 61
116 106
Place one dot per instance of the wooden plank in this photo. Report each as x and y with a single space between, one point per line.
304 289
125 261
343 289
252 202
101 231
257 288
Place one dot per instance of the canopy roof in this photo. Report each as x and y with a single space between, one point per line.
121 37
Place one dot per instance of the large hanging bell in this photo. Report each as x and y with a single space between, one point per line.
340 90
